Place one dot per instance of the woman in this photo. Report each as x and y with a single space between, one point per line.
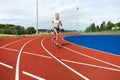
56 28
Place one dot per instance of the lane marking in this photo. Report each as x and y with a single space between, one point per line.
10 49
18 60
62 62
37 55
12 43
90 57
6 65
102 67
33 76
29 53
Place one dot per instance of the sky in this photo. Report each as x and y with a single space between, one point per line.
23 12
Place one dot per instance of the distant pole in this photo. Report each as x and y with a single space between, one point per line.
77 17
90 24
37 16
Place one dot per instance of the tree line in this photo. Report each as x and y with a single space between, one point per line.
16 29
19 30
103 27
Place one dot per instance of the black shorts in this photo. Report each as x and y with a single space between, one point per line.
56 30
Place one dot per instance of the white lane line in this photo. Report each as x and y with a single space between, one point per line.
10 49
18 60
6 65
29 53
85 78
11 43
33 76
102 67
90 57
37 55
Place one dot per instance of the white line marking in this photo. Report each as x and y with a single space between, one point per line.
6 65
11 49
33 76
11 43
102 67
29 53
62 62
90 56
18 60
37 55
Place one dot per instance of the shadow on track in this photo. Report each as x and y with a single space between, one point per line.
63 44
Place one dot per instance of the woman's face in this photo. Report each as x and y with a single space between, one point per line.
57 16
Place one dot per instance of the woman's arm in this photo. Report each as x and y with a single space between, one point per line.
60 23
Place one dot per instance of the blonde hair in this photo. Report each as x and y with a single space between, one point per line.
57 14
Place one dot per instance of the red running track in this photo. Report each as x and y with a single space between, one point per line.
36 58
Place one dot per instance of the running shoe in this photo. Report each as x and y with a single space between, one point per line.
53 40
57 44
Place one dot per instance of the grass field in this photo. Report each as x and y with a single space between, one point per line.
27 35
6 35
47 34
24 35
104 32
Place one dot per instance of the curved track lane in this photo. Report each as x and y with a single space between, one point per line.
39 59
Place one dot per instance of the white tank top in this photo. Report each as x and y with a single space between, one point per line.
57 22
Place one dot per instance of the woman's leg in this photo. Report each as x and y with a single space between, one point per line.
54 37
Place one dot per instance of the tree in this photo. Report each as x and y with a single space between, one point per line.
20 30
2 28
87 29
42 30
118 24
103 26
62 30
92 27
30 30
11 29
110 25
97 28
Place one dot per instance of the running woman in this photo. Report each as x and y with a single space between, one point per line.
56 28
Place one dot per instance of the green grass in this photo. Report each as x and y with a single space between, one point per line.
51 33
28 35
6 35
24 35
104 32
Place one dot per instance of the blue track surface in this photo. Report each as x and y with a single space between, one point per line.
106 43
